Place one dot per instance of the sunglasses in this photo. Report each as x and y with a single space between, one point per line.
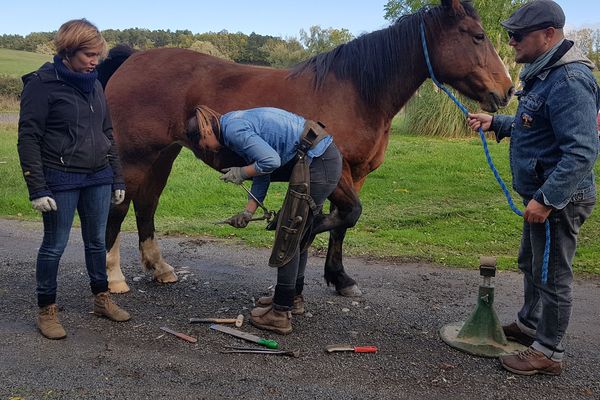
517 36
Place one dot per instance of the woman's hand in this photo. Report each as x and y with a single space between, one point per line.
44 204
234 175
240 220
118 196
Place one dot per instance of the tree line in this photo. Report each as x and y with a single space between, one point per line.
239 47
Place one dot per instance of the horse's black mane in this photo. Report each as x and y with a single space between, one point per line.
369 61
116 56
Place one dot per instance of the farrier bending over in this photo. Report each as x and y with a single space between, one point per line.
269 138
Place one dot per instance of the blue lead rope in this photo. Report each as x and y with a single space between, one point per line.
487 154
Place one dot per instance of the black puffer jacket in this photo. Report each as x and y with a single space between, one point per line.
62 128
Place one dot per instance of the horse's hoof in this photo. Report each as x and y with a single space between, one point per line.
166 277
118 287
350 291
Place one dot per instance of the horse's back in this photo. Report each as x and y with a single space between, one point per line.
159 89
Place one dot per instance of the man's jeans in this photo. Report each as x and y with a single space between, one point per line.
325 172
547 308
92 204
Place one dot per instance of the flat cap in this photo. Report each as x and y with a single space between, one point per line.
534 15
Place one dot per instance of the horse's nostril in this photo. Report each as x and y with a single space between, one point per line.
511 91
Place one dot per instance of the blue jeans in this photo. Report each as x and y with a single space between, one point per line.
325 173
547 308
92 205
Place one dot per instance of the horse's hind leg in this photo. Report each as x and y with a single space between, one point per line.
116 279
145 203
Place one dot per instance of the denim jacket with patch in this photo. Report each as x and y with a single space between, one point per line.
554 141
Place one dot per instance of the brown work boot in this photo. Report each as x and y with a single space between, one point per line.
48 323
297 308
514 333
104 306
272 320
531 362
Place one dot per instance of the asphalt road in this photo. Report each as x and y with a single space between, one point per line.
401 311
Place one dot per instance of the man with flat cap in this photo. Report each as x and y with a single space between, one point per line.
553 148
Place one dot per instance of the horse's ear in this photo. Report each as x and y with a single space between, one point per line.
453 7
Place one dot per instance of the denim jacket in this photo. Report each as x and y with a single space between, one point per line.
554 142
266 137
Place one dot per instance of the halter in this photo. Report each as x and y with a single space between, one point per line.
485 148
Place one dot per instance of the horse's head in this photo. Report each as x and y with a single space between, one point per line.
463 56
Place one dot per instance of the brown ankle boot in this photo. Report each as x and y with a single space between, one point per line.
297 308
272 320
48 323
104 306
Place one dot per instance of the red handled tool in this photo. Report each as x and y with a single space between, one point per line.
346 347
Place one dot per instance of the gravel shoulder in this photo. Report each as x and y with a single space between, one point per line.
402 309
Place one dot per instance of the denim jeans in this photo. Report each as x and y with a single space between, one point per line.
92 205
547 307
325 173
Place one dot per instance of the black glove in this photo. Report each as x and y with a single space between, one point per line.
240 220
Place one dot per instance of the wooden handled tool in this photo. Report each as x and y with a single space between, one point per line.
179 335
237 321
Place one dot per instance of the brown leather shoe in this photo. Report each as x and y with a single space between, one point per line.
48 323
530 362
272 320
514 333
297 308
104 306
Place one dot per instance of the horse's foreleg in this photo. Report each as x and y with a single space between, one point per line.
145 203
345 211
116 279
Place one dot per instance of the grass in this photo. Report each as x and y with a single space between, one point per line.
16 63
433 200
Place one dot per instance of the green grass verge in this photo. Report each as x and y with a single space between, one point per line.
17 63
433 200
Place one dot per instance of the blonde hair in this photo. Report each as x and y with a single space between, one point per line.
78 34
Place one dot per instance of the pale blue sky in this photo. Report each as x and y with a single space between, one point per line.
267 17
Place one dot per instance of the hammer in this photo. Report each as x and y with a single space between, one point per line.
237 321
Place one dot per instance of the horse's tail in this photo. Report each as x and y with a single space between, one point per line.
116 56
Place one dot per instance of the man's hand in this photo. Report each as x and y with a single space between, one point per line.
234 175
536 213
44 204
483 121
118 196
240 220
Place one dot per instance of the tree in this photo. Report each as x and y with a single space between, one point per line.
208 48
284 54
318 40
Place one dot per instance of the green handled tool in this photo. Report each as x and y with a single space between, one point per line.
271 344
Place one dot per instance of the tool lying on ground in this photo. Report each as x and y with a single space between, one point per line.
271 344
347 347
237 321
179 335
267 214
254 350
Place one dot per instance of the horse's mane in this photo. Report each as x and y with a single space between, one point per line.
370 60
116 56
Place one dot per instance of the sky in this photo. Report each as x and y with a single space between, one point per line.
266 17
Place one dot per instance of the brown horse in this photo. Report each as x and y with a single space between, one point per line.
355 90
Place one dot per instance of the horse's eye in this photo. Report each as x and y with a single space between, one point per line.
478 38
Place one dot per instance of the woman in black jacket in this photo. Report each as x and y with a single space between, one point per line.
69 161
